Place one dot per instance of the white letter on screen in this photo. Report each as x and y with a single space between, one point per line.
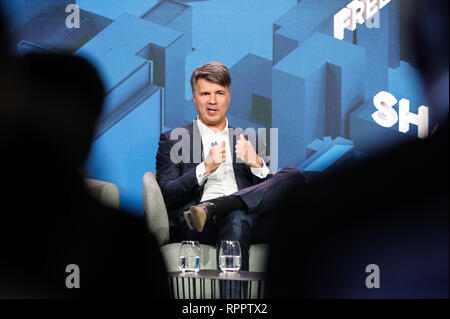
382 3
406 117
341 21
371 8
385 116
357 8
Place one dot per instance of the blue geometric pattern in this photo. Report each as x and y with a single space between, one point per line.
326 154
313 89
288 72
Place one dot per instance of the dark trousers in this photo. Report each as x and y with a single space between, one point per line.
252 226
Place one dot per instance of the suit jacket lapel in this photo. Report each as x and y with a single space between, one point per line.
196 143
236 167
232 144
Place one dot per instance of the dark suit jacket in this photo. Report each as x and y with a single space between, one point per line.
178 181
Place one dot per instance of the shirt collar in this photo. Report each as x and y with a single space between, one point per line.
204 130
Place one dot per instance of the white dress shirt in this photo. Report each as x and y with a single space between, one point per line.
222 181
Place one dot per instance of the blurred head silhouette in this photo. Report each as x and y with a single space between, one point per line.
48 116
66 95
429 39
4 42
56 95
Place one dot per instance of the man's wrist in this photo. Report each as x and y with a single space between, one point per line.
207 168
258 163
201 173
260 172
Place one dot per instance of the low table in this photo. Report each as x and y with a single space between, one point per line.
204 284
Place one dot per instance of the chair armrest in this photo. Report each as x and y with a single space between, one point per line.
105 192
155 211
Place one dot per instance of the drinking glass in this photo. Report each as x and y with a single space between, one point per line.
229 256
189 256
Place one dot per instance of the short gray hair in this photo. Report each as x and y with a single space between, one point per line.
215 72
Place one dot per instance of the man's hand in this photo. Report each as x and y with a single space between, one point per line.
216 156
245 151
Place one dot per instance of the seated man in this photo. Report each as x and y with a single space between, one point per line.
223 188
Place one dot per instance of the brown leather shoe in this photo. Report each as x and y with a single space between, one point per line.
202 213
188 218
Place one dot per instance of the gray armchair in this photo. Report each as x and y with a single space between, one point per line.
158 223
107 193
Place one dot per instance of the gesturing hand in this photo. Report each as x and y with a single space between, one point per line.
217 155
246 152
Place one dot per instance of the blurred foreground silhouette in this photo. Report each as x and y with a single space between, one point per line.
49 106
390 210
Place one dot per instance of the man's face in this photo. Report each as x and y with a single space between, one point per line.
211 101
